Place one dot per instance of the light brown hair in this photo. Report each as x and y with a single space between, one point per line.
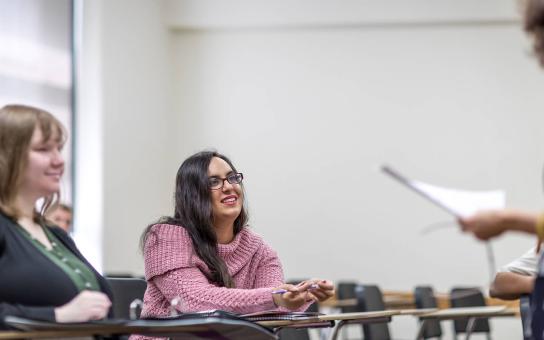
17 124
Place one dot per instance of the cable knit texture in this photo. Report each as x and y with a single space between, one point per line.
173 269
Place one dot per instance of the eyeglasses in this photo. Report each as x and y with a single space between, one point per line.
216 183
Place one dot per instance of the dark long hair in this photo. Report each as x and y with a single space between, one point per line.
534 25
193 211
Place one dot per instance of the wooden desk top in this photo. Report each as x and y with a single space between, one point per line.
417 311
359 315
455 313
405 300
392 300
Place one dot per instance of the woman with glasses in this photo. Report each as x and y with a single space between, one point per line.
42 274
205 256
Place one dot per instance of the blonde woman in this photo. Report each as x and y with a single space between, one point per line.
43 275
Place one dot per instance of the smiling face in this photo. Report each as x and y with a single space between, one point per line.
227 201
44 166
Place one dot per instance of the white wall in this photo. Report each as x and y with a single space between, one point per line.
132 107
309 111
138 135
35 63
308 107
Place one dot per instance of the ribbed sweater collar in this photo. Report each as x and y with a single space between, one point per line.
240 251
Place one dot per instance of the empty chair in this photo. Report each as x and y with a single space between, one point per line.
345 291
525 313
468 297
370 298
125 291
424 298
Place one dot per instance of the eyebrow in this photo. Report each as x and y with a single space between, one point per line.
228 174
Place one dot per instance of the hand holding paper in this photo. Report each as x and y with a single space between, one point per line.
479 212
489 224
459 203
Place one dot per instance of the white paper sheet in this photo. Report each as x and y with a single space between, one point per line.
460 203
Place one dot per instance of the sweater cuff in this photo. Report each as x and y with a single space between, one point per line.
270 305
41 313
32 313
35 313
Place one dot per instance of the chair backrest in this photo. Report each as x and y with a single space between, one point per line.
525 313
468 297
346 290
424 298
370 298
294 334
125 290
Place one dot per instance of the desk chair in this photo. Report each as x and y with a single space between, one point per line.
346 290
468 297
125 291
370 298
424 298
525 313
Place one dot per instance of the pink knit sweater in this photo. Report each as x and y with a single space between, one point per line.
173 269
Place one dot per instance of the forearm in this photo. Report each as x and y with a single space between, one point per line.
519 220
197 294
509 286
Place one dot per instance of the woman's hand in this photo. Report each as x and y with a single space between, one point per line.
292 299
321 289
310 290
85 306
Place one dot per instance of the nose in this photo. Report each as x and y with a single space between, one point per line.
57 158
226 185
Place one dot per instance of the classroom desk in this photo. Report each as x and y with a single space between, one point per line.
405 300
472 313
391 302
358 318
391 299
201 328
328 320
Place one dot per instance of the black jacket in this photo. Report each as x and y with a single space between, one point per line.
31 285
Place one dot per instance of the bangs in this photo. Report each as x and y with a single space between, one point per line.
51 128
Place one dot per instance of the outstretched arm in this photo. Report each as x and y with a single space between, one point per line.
489 224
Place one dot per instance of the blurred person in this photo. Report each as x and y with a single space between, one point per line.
517 278
489 224
61 216
43 274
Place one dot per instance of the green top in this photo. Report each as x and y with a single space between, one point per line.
80 274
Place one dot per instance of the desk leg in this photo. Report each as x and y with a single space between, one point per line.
421 329
336 330
471 323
